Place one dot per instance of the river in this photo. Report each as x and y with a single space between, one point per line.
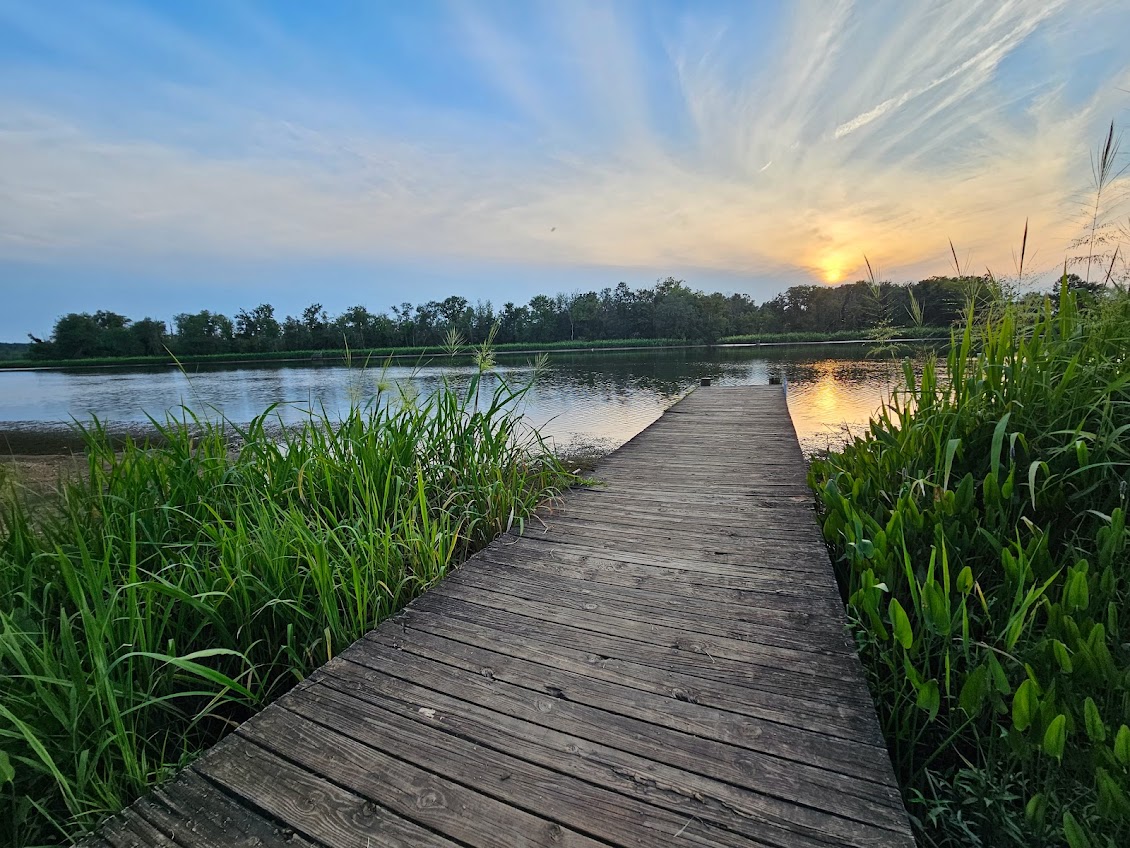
584 402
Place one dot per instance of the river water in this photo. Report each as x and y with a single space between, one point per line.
588 401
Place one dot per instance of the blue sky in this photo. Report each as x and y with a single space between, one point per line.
165 157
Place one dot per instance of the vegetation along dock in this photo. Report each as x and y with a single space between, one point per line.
661 660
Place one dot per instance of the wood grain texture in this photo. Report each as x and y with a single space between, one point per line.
659 658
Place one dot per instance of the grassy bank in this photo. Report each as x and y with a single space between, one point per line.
381 353
980 531
334 356
845 336
172 590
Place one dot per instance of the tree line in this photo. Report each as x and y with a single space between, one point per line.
669 310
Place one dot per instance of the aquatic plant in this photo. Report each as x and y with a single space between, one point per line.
980 534
178 586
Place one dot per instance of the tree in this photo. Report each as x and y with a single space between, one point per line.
356 327
543 317
77 335
258 329
148 336
203 332
452 312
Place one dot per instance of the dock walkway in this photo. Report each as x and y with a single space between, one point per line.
660 660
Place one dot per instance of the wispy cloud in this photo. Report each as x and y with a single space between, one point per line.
593 136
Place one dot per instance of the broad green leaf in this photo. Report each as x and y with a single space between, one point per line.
1122 745
1112 798
1076 593
1055 737
973 691
965 580
1062 656
7 770
1096 730
929 698
1000 679
934 607
1024 705
901 624
1034 809
1073 832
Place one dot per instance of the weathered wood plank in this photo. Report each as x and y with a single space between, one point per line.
428 799
311 805
791 627
194 813
724 692
819 666
662 792
724 596
772 787
803 747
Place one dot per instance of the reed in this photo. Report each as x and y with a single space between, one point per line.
179 586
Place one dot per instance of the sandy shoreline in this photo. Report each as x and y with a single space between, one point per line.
40 473
32 439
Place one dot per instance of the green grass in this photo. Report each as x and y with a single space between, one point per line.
982 546
341 355
177 588
864 336
380 353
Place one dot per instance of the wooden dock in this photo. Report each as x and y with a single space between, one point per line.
663 661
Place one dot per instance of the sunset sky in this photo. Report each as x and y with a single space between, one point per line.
165 157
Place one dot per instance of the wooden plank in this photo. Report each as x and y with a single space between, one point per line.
424 797
633 641
788 626
311 805
773 741
771 788
727 693
724 552
130 830
820 667
768 582
195 814
778 519
756 625
660 793
724 596
719 560
778 739
693 537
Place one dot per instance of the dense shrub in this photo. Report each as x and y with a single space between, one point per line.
980 530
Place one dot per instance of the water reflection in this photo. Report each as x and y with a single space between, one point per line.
598 399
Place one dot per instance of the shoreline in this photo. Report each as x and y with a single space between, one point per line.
43 439
337 357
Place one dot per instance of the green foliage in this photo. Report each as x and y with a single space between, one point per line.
670 310
982 544
13 351
181 586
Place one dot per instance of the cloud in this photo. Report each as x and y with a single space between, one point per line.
597 139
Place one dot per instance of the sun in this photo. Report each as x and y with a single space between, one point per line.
833 266
832 270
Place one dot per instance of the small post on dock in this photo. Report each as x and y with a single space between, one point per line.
705 381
